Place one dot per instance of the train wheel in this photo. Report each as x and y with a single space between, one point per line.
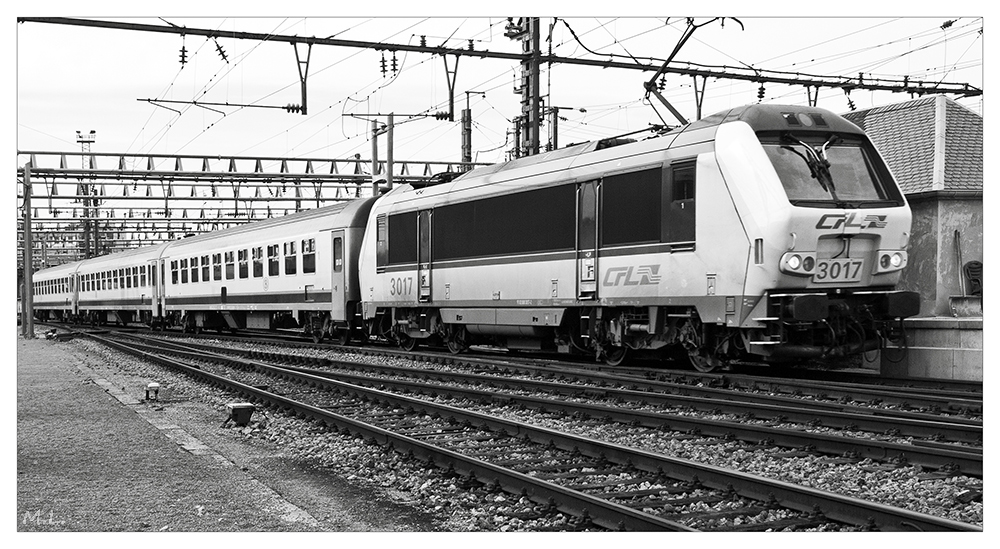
342 337
457 341
317 336
614 356
704 362
407 343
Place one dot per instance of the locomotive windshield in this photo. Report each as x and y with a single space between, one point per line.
830 171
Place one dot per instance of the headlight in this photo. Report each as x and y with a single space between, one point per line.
890 260
798 263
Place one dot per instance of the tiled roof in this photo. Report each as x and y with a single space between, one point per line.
963 165
904 135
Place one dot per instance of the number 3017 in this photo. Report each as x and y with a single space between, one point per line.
401 286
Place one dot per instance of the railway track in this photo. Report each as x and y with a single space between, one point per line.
928 441
603 484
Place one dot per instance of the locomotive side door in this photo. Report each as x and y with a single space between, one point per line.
586 239
338 284
424 254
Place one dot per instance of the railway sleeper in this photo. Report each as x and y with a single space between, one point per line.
610 484
794 523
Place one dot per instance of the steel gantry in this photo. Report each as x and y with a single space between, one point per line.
132 200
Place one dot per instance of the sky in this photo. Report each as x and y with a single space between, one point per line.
73 79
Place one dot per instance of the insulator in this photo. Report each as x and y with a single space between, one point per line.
471 46
222 53
383 64
423 41
760 93
183 55
393 62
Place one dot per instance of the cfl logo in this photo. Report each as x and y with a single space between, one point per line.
633 276
836 221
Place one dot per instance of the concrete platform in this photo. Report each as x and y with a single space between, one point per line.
939 347
93 457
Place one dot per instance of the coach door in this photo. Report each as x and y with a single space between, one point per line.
74 292
424 254
156 284
586 240
338 283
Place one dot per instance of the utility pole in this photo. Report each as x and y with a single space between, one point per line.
527 30
467 127
85 189
376 131
27 292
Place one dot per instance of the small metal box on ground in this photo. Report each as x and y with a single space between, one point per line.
240 412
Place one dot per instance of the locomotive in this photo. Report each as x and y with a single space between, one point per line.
764 233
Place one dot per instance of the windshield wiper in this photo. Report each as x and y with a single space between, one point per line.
819 164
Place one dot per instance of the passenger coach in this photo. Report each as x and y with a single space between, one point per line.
295 271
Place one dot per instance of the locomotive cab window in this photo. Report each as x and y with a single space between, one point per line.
680 205
381 242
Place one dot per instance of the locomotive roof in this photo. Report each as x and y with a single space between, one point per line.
761 118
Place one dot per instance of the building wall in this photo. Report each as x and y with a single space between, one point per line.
933 269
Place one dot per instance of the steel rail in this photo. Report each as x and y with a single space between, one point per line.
833 506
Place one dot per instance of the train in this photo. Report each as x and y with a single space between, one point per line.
763 233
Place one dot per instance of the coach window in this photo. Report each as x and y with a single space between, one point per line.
244 265
290 259
680 221
128 277
217 266
194 269
142 275
272 260
135 277
184 271
338 254
116 279
258 261
230 265
309 255
206 269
